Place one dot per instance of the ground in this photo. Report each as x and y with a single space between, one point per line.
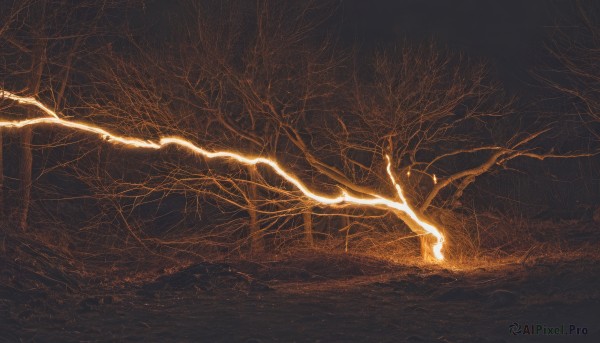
318 297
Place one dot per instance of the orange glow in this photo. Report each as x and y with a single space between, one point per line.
27 101
344 197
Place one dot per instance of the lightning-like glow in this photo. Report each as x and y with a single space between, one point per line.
27 101
437 247
344 197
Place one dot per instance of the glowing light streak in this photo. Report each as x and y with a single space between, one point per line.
343 197
437 247
27 101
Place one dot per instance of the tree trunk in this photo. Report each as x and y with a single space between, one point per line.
25 172
308 228
426 239
426 252
37 67
256 239
346 226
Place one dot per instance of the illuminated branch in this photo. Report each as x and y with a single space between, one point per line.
457 152
465 173
541 157
374 200
500 157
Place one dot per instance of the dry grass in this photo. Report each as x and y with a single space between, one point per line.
62 258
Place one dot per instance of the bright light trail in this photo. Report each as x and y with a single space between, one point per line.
27 101
402 206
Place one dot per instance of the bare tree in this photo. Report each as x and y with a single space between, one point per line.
260 79
574 70
272 87
9 13
42 42
575 46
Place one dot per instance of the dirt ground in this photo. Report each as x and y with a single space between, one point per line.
314 297
281 303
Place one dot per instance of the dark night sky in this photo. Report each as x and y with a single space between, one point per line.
509 34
